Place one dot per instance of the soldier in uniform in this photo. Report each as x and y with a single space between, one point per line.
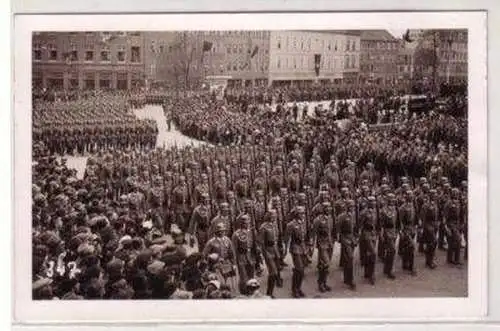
388 222
180 203
322 234
453 225
275 204
268 242
430 220
200 223
295 237
223 247
243 243
348 230
222 217
408 222
368 239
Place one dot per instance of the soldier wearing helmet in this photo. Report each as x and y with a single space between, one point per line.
323 234
200 222
295 240
268 241
348 232
453 220
243 243
408 222
388 223
368 220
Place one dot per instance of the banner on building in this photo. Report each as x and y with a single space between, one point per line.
317 63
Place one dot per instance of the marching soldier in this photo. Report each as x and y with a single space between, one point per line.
180 204
368 239
221 245
243 243
348 229
200 222
430 220
388 222
322 234
408 222
453 225
268 242
295 237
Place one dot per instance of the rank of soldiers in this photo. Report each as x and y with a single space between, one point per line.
253 206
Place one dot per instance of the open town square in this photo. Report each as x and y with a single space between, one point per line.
249 165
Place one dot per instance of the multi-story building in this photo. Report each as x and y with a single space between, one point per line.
405 60
177 57
379 56
441 56
243 56
88 60
303 57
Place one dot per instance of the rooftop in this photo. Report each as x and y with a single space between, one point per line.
377 35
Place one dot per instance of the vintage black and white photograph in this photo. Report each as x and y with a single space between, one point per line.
238 162
249 164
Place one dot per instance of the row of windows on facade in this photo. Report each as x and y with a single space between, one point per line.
379 68
247 33
378 57
454 56
391 45
349 46
104 55
308 63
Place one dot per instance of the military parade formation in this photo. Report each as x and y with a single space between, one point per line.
272 187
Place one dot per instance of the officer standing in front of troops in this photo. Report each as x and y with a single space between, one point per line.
322 234
348 230
368 239
295 240
408 223
268 240
200 222
388 223
453 225
429 216
243 243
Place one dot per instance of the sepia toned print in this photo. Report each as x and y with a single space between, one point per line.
249 164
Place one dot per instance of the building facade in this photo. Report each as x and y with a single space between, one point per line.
379 57
442 56
88 60
304 57
241 55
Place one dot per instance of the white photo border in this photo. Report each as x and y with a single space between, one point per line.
472 308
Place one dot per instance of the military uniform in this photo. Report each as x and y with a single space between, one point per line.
429 217
454 225
388 222
368 240
243 243
408 223
199 224
322 234
295 235
348 230
268 242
